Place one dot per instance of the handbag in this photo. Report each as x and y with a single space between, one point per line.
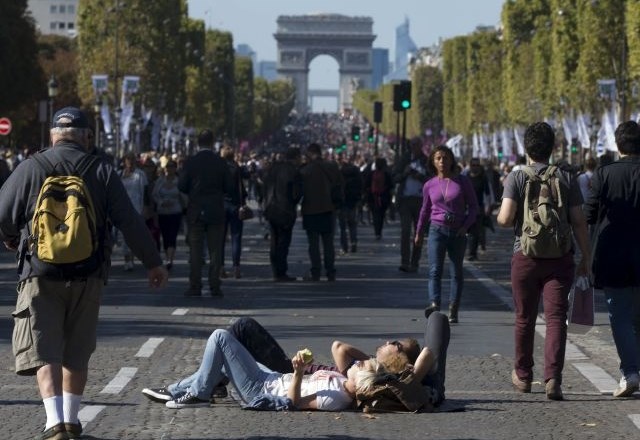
245 213
581 306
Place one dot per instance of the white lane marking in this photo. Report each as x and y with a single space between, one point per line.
88 413
635 418
149 347
180 312
597 376
120 381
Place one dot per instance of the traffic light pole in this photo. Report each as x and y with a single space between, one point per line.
404 131
375 145
398 142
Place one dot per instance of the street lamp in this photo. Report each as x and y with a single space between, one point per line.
53 92
96 110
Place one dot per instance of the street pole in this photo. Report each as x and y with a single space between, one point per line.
375 145
118 110
404 131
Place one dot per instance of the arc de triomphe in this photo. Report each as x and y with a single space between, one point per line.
348 40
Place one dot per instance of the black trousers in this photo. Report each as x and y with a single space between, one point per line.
280 241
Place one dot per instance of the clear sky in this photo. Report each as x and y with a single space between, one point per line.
253 22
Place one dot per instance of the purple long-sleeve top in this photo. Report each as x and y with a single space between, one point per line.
454 195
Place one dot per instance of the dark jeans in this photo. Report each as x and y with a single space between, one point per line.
234 225
477 236
280 240
436 337
321 227
378 213
347 221
169 227
551 279
213 234
409 209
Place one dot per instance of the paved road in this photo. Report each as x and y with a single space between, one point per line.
149 338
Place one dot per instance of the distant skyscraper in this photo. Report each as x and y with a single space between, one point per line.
244 50
380 66
267 70
56 17
405 49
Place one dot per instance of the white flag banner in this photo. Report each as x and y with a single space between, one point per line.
125 120
106 117
583 131
601 141
167 134
495 143
130 86
454 144
569 132
609 131
100 84
475 146
484 149
507 146
518 134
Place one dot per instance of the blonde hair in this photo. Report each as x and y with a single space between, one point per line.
395 362
373 373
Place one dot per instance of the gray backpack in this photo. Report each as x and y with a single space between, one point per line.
546 231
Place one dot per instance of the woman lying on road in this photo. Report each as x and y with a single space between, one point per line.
224 355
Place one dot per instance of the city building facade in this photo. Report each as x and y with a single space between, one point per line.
55 17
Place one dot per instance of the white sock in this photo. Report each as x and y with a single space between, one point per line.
71 405
53 407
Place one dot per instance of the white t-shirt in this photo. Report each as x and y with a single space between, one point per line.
134 183
326 385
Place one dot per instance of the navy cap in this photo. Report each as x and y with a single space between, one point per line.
70 117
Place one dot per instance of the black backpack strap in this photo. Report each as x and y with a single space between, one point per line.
85 164
45 163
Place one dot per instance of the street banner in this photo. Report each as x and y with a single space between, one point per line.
475 146
484 150
569 132
130 85
507 145
608 124
106 117
454 144
583 132
100 84
518 134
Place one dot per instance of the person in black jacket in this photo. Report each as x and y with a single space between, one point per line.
282 193
205 178
347 211
614 207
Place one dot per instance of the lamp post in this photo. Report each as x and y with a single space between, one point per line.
52 86
96 110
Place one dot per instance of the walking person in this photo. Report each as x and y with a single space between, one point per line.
480 182
411 175
542 268
347 215
450 204
135 183
614 208
170 204
321 180
282 193
57 306
232 202
205 179
379 187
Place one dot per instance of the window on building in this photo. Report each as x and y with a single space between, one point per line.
70 26
53 9
61 25
71 9
53 25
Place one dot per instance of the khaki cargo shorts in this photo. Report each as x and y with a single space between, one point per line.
55 323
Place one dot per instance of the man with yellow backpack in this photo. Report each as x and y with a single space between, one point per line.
54 211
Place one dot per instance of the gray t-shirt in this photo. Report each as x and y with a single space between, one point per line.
514 190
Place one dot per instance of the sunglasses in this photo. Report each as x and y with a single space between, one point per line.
397 344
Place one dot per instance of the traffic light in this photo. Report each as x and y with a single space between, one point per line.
574 148
371 136
500 153
402 96
355 133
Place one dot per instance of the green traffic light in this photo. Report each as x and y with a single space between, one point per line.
406 104
356 137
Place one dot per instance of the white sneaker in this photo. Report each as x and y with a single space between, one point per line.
628 385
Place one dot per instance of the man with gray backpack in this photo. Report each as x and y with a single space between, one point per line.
543 203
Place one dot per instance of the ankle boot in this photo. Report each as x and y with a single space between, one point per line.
453 312
433 307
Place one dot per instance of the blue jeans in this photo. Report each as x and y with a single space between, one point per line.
223 356
234 225
441 241
624 316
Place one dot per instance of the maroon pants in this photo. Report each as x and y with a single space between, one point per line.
551 279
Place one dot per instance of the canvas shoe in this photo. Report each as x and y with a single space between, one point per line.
627 386
553 390
157 394
187 401
56 432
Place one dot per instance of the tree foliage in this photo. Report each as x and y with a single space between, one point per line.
244 97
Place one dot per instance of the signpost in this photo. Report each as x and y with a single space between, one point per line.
5 126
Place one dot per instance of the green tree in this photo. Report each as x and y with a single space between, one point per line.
565 51
150 41
428 86
244 97
633 45
58 56
601 29
20 73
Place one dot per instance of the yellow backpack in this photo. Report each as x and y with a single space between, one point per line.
64 220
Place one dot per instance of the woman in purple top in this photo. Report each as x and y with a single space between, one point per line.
450 205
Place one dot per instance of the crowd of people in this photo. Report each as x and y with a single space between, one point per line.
149 198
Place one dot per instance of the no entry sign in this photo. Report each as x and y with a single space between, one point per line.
5 126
